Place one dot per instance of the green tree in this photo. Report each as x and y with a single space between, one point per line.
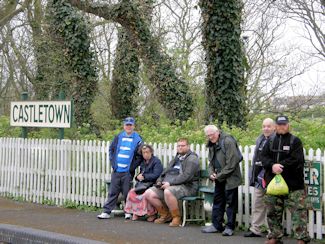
172 92
225 84
52 71
125 81
72 32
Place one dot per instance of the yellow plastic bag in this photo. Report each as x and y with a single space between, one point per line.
277 186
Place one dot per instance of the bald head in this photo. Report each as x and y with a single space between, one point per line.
268 127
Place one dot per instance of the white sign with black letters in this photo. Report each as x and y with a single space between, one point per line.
52 114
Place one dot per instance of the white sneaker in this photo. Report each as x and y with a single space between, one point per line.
127 216
104 216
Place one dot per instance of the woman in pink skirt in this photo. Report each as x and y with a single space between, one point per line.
150 170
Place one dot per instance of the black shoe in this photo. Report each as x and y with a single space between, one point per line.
251 234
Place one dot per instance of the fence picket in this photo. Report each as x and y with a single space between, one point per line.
73 171
103 173
78 158
246 186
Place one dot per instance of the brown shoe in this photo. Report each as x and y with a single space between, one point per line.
164 216
176 222
273 241
301 242
151 218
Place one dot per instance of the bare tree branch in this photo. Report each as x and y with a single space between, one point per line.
6 15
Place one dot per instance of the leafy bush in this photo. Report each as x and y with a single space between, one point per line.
6 130
311 132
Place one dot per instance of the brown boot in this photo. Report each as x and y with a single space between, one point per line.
176 218
164 216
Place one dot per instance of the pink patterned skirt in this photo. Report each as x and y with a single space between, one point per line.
138 205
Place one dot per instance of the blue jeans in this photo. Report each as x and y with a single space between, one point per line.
223 197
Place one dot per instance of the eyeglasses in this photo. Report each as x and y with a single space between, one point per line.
180 145
210 135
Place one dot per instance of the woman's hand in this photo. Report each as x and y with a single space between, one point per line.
140 177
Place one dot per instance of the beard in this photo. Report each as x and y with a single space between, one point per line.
282 131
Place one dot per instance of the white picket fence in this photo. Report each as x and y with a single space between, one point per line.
61 171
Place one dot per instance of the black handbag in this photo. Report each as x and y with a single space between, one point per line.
171 174
141 187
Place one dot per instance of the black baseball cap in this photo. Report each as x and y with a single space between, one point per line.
282 119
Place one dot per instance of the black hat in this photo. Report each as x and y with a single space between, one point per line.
282 119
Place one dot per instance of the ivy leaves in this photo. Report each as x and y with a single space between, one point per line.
72 32
125 82
225 84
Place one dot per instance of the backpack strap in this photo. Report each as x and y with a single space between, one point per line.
223 148
271 140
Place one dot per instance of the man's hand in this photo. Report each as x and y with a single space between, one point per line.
140 177
277 168
213 177
165 185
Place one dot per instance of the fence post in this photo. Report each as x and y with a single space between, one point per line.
24 132
61 130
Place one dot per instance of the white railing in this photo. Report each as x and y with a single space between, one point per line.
61 171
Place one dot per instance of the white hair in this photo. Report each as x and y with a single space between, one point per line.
210 128
268 120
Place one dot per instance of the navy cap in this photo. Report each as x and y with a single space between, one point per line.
282 119
129 121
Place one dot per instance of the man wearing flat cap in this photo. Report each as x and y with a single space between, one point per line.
124 158
283 154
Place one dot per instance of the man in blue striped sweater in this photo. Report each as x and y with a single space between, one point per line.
124 158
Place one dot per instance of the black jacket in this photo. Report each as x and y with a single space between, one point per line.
291 157
256 162
152 170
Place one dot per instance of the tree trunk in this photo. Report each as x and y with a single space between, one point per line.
171 92
225 84
125 81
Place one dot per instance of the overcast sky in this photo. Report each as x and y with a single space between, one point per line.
313 81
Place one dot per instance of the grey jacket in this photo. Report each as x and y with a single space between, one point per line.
230 170
189 174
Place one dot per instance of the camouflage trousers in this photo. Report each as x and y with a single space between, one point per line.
295 202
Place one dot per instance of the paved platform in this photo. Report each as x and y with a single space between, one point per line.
73 223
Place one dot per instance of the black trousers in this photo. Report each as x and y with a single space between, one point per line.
120 182
224 200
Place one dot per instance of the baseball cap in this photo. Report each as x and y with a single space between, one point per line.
282 119
129 121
